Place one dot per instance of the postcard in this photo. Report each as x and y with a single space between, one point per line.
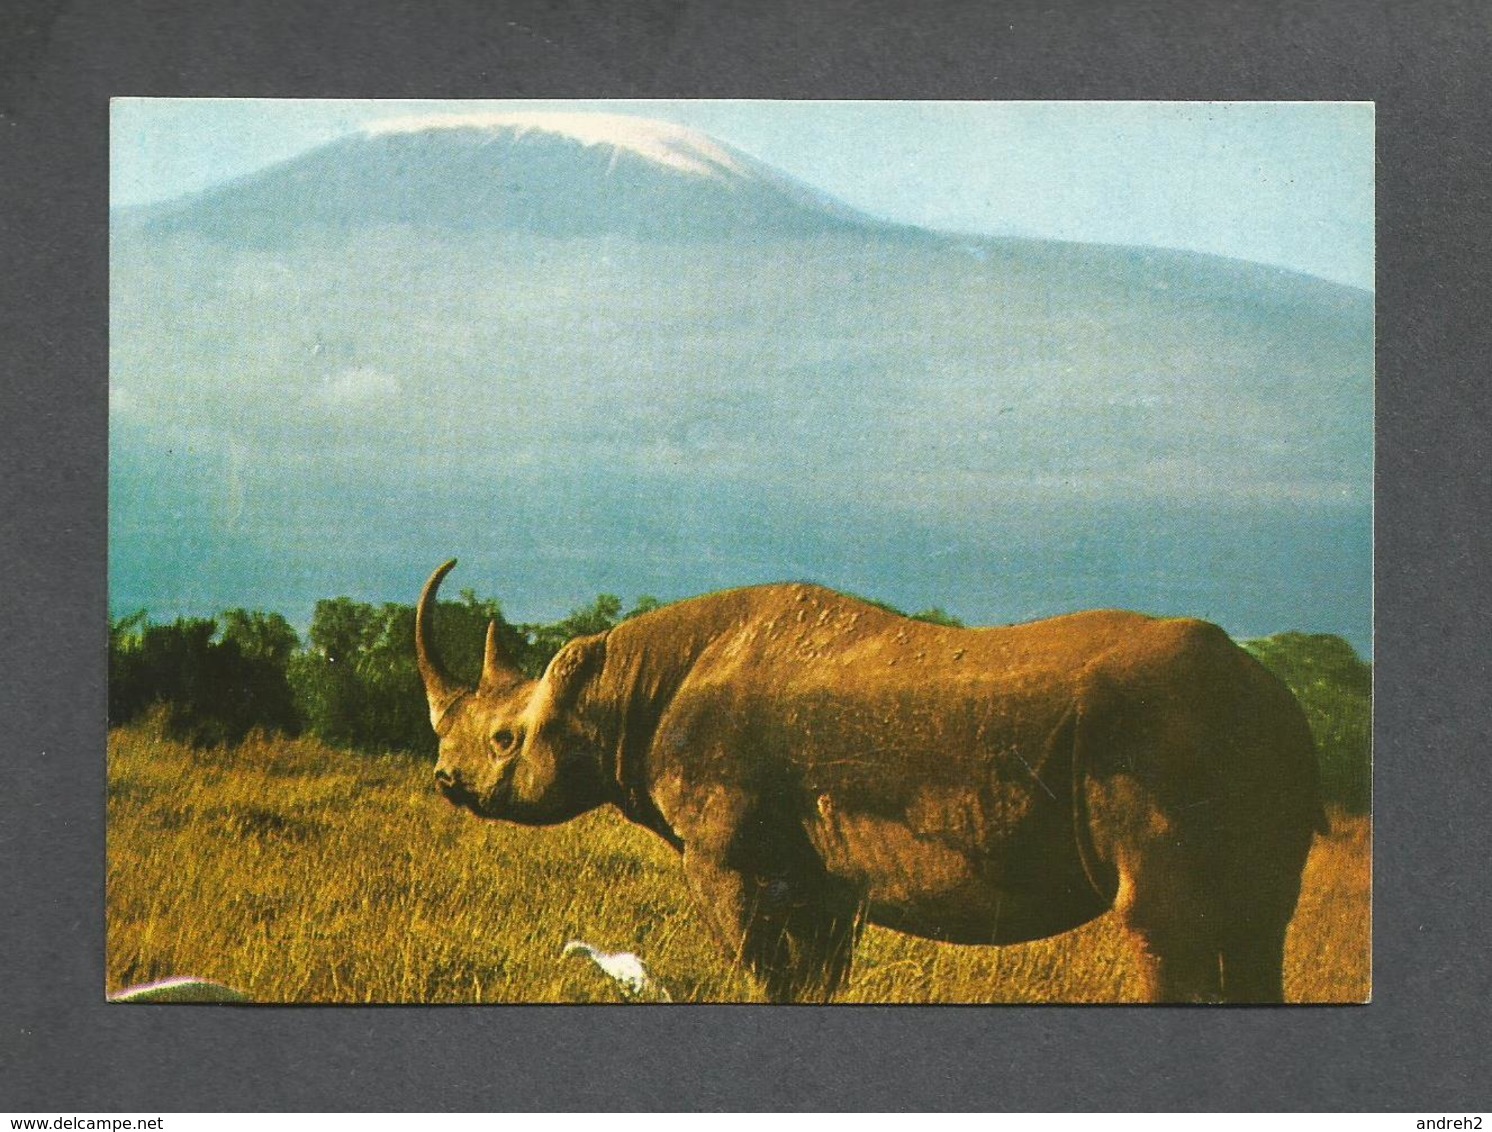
740 551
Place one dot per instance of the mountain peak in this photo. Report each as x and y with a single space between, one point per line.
663 143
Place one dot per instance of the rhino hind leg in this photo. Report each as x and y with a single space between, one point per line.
1179 971
1203 936
1179 954
1164 889
1209 914
1254 965
1249 967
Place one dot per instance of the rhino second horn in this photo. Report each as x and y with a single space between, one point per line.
440 690
498 669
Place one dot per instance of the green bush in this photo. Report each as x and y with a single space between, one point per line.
212 689
355 684
358 685
602 614
1335 688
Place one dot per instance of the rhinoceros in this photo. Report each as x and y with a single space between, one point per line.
820 762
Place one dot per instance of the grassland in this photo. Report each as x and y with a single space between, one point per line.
299 873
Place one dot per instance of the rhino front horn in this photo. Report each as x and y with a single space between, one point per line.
440 690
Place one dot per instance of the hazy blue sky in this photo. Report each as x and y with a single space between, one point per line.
1281 183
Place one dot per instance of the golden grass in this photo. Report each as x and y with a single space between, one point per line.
297 873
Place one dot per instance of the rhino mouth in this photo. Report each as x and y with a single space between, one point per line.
484 804
459 796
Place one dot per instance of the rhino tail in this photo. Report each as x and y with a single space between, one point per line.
1101 875
1320 820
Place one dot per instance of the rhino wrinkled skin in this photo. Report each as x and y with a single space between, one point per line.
821 763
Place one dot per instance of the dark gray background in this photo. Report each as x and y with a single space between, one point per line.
1422 1044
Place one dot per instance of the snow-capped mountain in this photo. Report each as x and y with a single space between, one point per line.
551 174
597 354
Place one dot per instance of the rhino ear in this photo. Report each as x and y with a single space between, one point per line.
572 666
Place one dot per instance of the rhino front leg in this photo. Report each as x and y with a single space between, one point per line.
764 890
794 932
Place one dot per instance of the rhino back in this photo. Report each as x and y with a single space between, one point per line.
796 689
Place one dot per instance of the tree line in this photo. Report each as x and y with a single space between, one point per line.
354 683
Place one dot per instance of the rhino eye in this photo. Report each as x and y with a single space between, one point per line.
503 739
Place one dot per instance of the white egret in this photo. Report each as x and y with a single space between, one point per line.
625 969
